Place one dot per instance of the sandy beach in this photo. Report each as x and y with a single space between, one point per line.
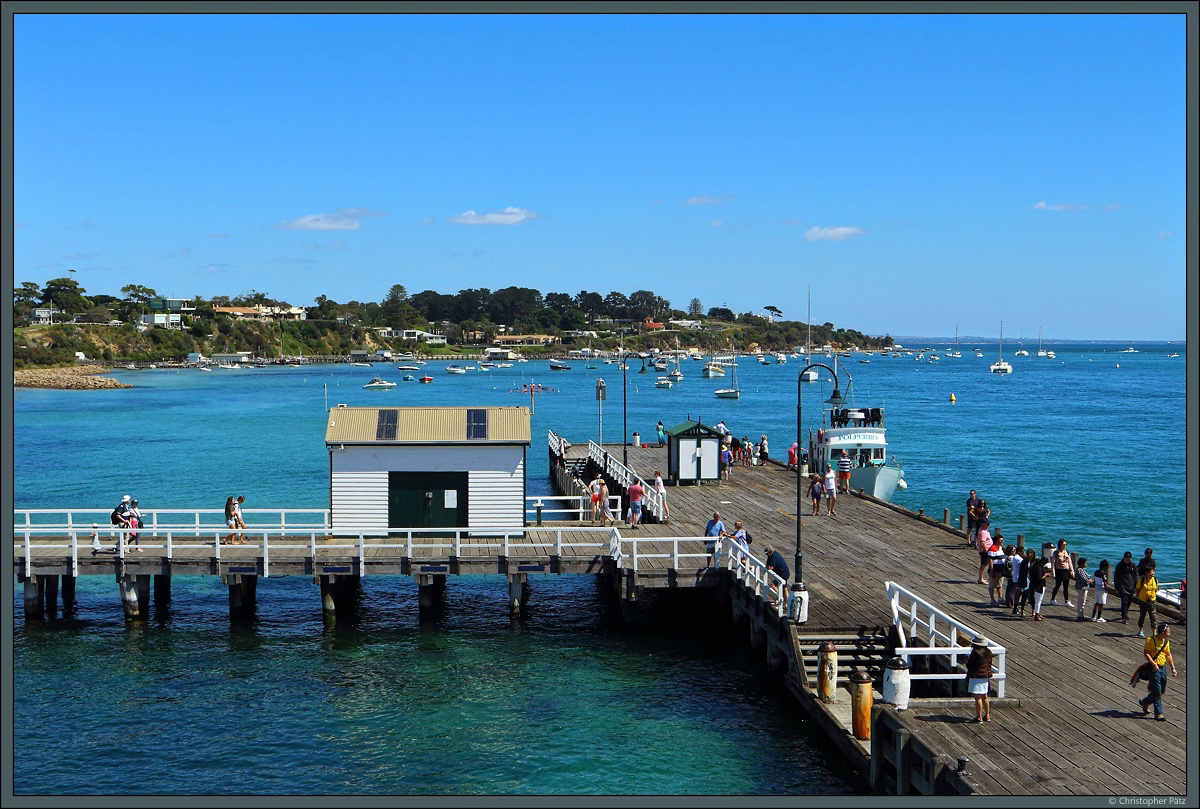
79 377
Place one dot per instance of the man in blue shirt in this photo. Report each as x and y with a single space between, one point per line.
776 565
714 528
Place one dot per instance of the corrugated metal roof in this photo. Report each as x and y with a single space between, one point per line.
425 425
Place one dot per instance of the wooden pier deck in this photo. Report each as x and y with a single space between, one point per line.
1077 729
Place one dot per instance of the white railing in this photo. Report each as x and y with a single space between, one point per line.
917 619
572 506
765 584
623 476
82 519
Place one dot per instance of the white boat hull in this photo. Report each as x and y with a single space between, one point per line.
878 481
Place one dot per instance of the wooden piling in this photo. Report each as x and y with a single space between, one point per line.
328 607
68 591
827 672
33 599
50 594
143 595
862 699
430 588
129 597
162 591
518 585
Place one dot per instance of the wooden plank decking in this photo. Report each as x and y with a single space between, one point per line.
1078 729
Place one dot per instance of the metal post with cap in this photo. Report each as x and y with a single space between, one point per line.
835 399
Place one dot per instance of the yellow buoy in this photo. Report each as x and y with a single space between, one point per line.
952 398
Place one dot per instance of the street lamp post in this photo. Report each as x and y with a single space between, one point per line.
835 399
624 413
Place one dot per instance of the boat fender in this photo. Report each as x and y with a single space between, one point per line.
952 398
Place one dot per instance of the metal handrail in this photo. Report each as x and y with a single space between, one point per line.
916 615
623 475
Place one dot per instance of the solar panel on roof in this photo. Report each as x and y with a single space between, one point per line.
385 427
476 423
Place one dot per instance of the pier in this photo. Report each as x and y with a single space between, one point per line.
1065 720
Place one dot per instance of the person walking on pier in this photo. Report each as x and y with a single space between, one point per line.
1100 585
829 489
1157 651
1146 564
763 455
241 523
982 512
1061 562
793 457
230 521
661 434
605 506
1012 589
997 572
1125 582
1146 594
635 492
747 451
979 677
972 502
814 492
135 522
714 530
1082 582
661 491
594 488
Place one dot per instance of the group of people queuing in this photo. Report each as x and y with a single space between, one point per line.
739 452
1017 579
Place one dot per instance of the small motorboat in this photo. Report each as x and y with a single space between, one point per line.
455 369
408 368
362 364
559 366
426 379
662 382
379 384
408 377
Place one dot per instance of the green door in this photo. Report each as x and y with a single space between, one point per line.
427 499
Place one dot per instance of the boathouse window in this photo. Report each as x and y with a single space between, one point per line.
385 427
476 423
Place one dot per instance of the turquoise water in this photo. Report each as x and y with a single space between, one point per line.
564 702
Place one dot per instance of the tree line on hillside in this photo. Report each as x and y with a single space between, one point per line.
470 315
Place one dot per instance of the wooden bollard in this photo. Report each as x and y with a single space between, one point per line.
962 525
827 672
862 698
945 516
1021 543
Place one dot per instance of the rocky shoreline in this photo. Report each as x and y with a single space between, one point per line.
79 377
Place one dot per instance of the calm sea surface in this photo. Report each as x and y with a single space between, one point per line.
1087 446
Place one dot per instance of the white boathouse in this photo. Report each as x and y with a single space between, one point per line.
426 467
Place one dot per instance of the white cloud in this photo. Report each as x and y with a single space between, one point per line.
79 256
1113 206
217 236
1163 234
49 265
708 200
213 268
1043 206
717 223
19 225
289 260
509 216
341 219
338 246
832 234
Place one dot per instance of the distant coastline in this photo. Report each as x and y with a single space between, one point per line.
79 377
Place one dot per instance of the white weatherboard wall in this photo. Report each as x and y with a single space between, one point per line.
359 482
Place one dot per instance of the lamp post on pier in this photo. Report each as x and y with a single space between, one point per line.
835 399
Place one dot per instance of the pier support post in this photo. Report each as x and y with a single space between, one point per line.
962 525
143 595
328 607
1020 543
518 593
68 592
242 594
128 584
430 589
945 516
33 599
50 594
162 591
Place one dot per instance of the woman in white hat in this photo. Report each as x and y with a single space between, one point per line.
979 676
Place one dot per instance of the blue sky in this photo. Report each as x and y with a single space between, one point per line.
918 172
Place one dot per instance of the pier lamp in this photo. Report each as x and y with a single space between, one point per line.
836 400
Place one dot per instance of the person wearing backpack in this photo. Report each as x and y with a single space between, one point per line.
1146 593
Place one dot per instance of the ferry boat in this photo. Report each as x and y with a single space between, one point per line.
858 431
379 384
